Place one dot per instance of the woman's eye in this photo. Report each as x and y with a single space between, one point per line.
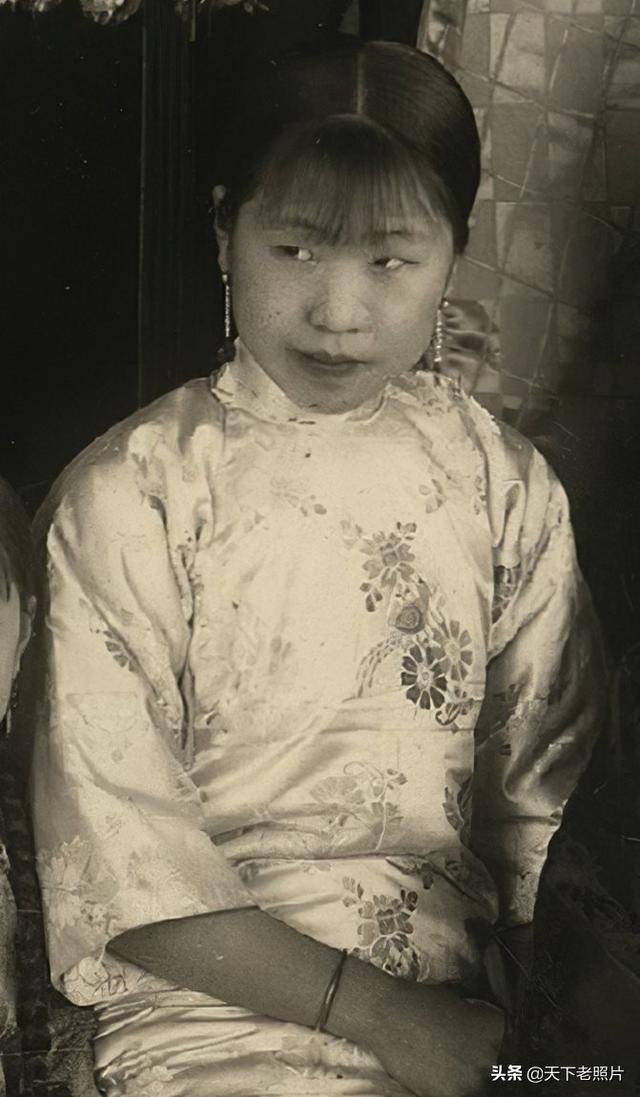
303 255
390 263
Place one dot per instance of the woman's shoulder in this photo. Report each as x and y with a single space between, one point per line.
445 407
508 480
166 447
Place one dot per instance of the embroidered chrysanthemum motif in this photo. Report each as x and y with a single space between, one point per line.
451 647
390 561
424 676
385 929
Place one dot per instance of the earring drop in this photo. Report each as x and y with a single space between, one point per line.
227 351
437 343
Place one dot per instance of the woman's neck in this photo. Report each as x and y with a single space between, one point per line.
246 384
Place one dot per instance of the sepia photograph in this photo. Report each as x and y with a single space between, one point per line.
320 548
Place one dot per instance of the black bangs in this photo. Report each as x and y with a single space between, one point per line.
351 140
347 178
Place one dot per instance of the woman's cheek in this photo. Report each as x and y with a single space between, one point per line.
412 323
257 301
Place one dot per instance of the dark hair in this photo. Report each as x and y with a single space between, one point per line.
347 136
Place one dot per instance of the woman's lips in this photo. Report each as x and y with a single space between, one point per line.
329 362
331 359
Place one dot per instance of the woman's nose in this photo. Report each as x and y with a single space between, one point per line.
340 305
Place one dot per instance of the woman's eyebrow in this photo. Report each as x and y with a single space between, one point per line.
312 231
297 224
403 233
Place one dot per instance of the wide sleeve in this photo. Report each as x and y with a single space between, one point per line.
545 690
117 819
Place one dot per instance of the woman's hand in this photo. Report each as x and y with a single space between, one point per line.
431 1039
437 1043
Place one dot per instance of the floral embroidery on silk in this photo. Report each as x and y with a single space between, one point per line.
385 929
424 676
287 666
390 561
362 796
439 656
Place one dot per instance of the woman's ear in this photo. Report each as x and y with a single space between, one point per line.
223 235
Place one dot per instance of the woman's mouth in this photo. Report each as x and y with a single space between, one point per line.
332 359
330 363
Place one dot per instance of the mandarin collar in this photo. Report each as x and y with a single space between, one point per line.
244 384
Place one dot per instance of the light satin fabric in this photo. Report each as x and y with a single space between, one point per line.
337 666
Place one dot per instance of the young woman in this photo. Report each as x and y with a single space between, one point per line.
319 666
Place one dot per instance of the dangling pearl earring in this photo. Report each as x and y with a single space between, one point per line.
437 342
227 351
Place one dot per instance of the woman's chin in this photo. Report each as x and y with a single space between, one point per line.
332 402
329 387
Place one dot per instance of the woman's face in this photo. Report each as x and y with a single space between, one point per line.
331 322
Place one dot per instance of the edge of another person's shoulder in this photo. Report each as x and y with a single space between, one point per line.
170 431
16 552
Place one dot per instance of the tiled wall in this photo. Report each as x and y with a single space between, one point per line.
554 257
555 250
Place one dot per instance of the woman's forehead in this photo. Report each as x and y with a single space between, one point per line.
349 180
416 226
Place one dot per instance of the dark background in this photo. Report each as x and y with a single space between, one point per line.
108 302
70 131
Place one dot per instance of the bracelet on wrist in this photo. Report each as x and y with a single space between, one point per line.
329 995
